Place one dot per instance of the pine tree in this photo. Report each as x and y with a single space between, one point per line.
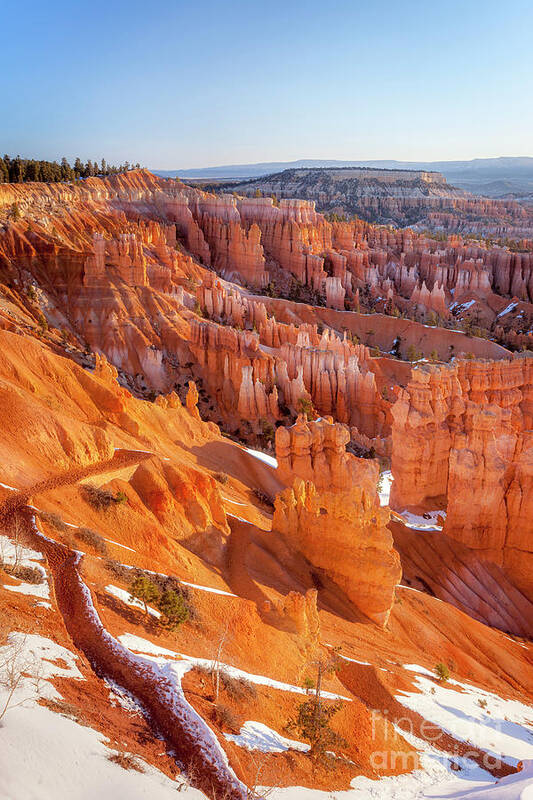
312 720
144 590
174 608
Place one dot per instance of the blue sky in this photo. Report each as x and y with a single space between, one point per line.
185 84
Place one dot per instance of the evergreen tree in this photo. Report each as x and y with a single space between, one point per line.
19 170
144 590
174 608
312 720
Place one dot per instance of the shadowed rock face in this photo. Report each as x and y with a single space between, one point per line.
464 432
346 537
332 514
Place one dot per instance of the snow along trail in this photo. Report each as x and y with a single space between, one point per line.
42 750
157 689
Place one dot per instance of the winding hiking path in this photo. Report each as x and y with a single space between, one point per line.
156 686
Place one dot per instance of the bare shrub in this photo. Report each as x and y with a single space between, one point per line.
126 761
237 689
263 497
100 499
119 570
26 574
20 674
11 546
93 539
221 477
54 520
224 717
65 709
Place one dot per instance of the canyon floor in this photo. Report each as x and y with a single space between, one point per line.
318 435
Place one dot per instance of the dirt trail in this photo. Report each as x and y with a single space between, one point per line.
153 685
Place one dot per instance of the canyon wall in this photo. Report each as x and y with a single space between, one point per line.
461 440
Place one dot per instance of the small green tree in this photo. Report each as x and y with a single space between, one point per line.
174 609
312 720
15 212
143 589
442 672
305 406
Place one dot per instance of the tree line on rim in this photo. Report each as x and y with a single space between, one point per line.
22 170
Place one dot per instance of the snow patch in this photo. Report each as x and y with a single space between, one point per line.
140 645
208 589
507 310
257 736
500 727
12 553
270 460
428 521
386 479
111 541
125 596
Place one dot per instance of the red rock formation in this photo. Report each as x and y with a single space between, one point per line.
346 538
464 433
316 452
237 254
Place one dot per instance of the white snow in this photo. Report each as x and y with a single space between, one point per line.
435 779
513 787
462 306
208 589
422 522
45 755
417 667
144 646
12 553
386 483
508 725
502 727
270 460
508 309
241 519
11 488
111 541
40 590
257 736
235 502
124 595
355 660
